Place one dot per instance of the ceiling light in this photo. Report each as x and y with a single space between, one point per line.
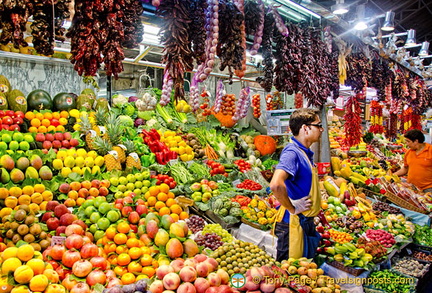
339 8
424 51
411 38
360 24
389 21
299 8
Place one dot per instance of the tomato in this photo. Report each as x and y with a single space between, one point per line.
172 184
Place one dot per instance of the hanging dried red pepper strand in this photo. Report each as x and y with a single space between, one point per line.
353 128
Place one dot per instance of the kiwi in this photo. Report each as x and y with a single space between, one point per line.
29 220
10 233
16 238
35 229
43 235
20 215
29 238
44 244
36 246
25 207
6 225
14 225
23 229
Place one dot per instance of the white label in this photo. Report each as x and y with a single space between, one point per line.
92 133
122 146
20 100
58 240
102 129
134 156
173 161
189 163
114 154
153 173
236 182
219 181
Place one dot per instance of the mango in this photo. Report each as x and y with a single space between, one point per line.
17 175
7 162
152 228
174 248
190 247
45 173
152 216
31 173
166 221
4 177
23 163
161 238
36 162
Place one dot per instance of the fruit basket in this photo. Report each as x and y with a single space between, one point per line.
403 203
350 270
357 154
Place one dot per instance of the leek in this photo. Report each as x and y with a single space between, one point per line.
164 113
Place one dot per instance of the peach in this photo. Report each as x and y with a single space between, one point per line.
105 183
177 264
103 191
190 262
95 183
214 279
163 270
212 264
93 191
83 192
223 276
200 257
86 184
64 188
171 281
186 288
201 285
75 186
188 274
202 269
156 287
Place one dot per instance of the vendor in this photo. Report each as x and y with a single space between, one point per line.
295 186
417 161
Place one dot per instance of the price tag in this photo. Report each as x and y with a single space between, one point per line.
220 181
173 161
114 154
58 240
92 133
236 182
134 156
153 173
189 163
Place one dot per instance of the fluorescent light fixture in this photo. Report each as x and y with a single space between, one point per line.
424 49
411 39
361 23
389 21
291 14
297 7
67 24
150 29
339 8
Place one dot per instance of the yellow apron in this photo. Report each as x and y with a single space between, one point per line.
296 241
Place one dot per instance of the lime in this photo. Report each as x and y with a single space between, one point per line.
23 145
89 210
13 145
6 137
113 216
103 223
93 228
104 208
94 217
18 136
99 200
28 138
3 146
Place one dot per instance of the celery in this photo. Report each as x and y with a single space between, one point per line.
164 113
181 117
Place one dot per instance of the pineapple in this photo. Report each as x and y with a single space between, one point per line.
104 148
86 128
120 149
114 131
132 159
101 117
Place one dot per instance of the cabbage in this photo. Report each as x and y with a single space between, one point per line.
119 100
126 121
146 115
236 212
129 110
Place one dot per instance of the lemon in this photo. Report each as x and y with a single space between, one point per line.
57 164
81 152
74 113
92 154
95 169
89 162
69 162
61 154
99 161
86 168
72 152
77 170
79 161
65 171
76 127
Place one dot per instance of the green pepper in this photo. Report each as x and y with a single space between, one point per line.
152 158
145 160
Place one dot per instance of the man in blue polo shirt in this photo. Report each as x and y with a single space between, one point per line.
295 186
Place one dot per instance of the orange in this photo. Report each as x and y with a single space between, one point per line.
146 260
164 211
123 227
63 121
123 259
64 114
55 115
35 122
51 128
154 190
159 205
15 191
73 194
47 195
45 122
42 129
120 238
110 247
183 215
33 129
148 271
151 201
111 232
121 249
135 252
39 116
145 250
164 188
128 278
162 196
171 195
39 188
132 243
48 115
134 267
60 128
28 189
29 115
176 209
35 198
175 217
120 271
170 202
4 192
147 195
80 201
155 264
25 252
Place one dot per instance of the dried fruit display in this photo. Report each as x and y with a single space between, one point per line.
133 27
266 81
14 16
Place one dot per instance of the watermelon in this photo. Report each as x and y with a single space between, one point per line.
3 102
39 100
64 101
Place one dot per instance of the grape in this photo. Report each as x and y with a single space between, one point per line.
195 223
217 229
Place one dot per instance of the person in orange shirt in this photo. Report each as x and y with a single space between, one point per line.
417 161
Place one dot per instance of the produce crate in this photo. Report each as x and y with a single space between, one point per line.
403 203
218 220
350 270
255 225
395 260
371 289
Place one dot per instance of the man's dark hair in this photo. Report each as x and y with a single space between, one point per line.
300 117
415 134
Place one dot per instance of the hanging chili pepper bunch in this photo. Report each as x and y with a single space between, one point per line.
400 86
359 71
381 76
353 128
266 81
133 27
298 100
395 106
256 105
406 119
14 16
376 117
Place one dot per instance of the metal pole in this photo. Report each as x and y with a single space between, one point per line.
325 141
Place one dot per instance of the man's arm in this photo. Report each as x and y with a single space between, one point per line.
402 171
277 186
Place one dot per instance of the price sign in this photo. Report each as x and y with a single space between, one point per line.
236 182
57 240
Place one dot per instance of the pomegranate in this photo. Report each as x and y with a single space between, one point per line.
82 268
74 229
89 250
113 282
74 241
62 272
57 251
68 282
99 262
96 277
80 287
70 257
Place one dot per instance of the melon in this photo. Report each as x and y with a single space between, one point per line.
64 101
5 86
84 101
39 100
102 105
3 102
17 101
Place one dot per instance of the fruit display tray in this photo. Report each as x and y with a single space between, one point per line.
350 270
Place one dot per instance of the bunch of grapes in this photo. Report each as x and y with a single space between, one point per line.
217 229
210 240
195 223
